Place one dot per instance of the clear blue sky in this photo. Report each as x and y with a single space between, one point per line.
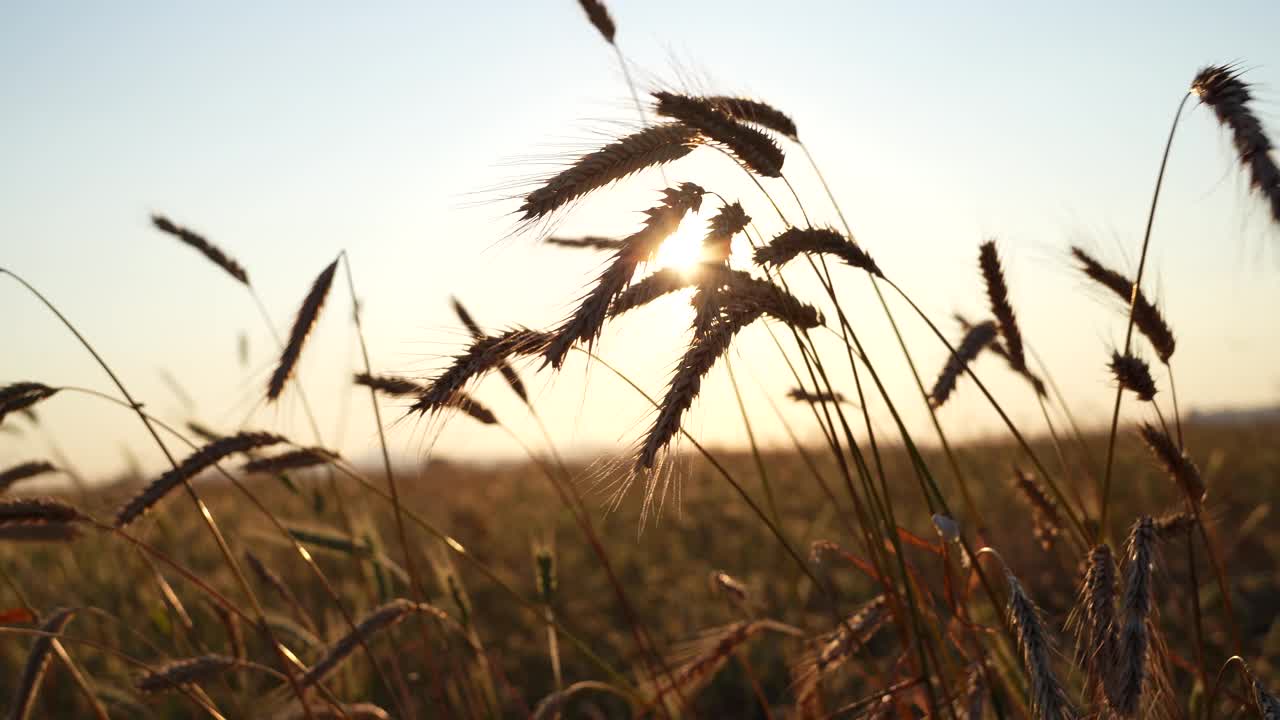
289 131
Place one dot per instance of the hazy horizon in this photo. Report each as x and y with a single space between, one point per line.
286 134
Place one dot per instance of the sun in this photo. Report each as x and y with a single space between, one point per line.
683 249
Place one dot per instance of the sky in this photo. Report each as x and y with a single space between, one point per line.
399 132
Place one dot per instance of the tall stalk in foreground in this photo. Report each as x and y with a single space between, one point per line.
1102 530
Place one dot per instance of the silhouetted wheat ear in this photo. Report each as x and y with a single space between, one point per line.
1047 522
1146 316
737 292
292 460
198 461
1048 699
302 325
24 471
1001 308
1220 87
380 619
474 409
802 395
588 242
187 671
756 150
705 656
508 373
203 431
389 385
44 532
1172 525
659 283
37 662
686 383
1176 462
37 510
977 338
1096 611
1131 670
653 146
697 662
997 348
482 356
784 248
1133 374
756 113
598 14
835 648
586 322
206 248
722 228
22 395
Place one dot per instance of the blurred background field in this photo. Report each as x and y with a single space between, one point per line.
503 512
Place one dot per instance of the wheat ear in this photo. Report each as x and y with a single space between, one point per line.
302 325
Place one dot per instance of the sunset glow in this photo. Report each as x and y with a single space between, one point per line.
683 250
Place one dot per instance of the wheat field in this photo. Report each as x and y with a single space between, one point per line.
1122 566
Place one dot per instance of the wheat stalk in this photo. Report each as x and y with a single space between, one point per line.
756 112
650 147
1048 699
508 373
302 325
200 243
292 460
1171 525
598 15
187 671
37 662
22 395
389 385
1001 308
1130 673
43 532
834 649
1176 462
657 284
482 356
380 619
1096 614
784 247
1146 316
37 510
589 242
191 466
1048 524
977 338
1221 88
586 322
1133 374
997 348
802 395
753 148
24 471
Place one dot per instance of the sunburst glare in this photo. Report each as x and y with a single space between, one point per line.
683 250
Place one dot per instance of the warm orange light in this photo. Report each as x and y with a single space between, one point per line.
683 250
